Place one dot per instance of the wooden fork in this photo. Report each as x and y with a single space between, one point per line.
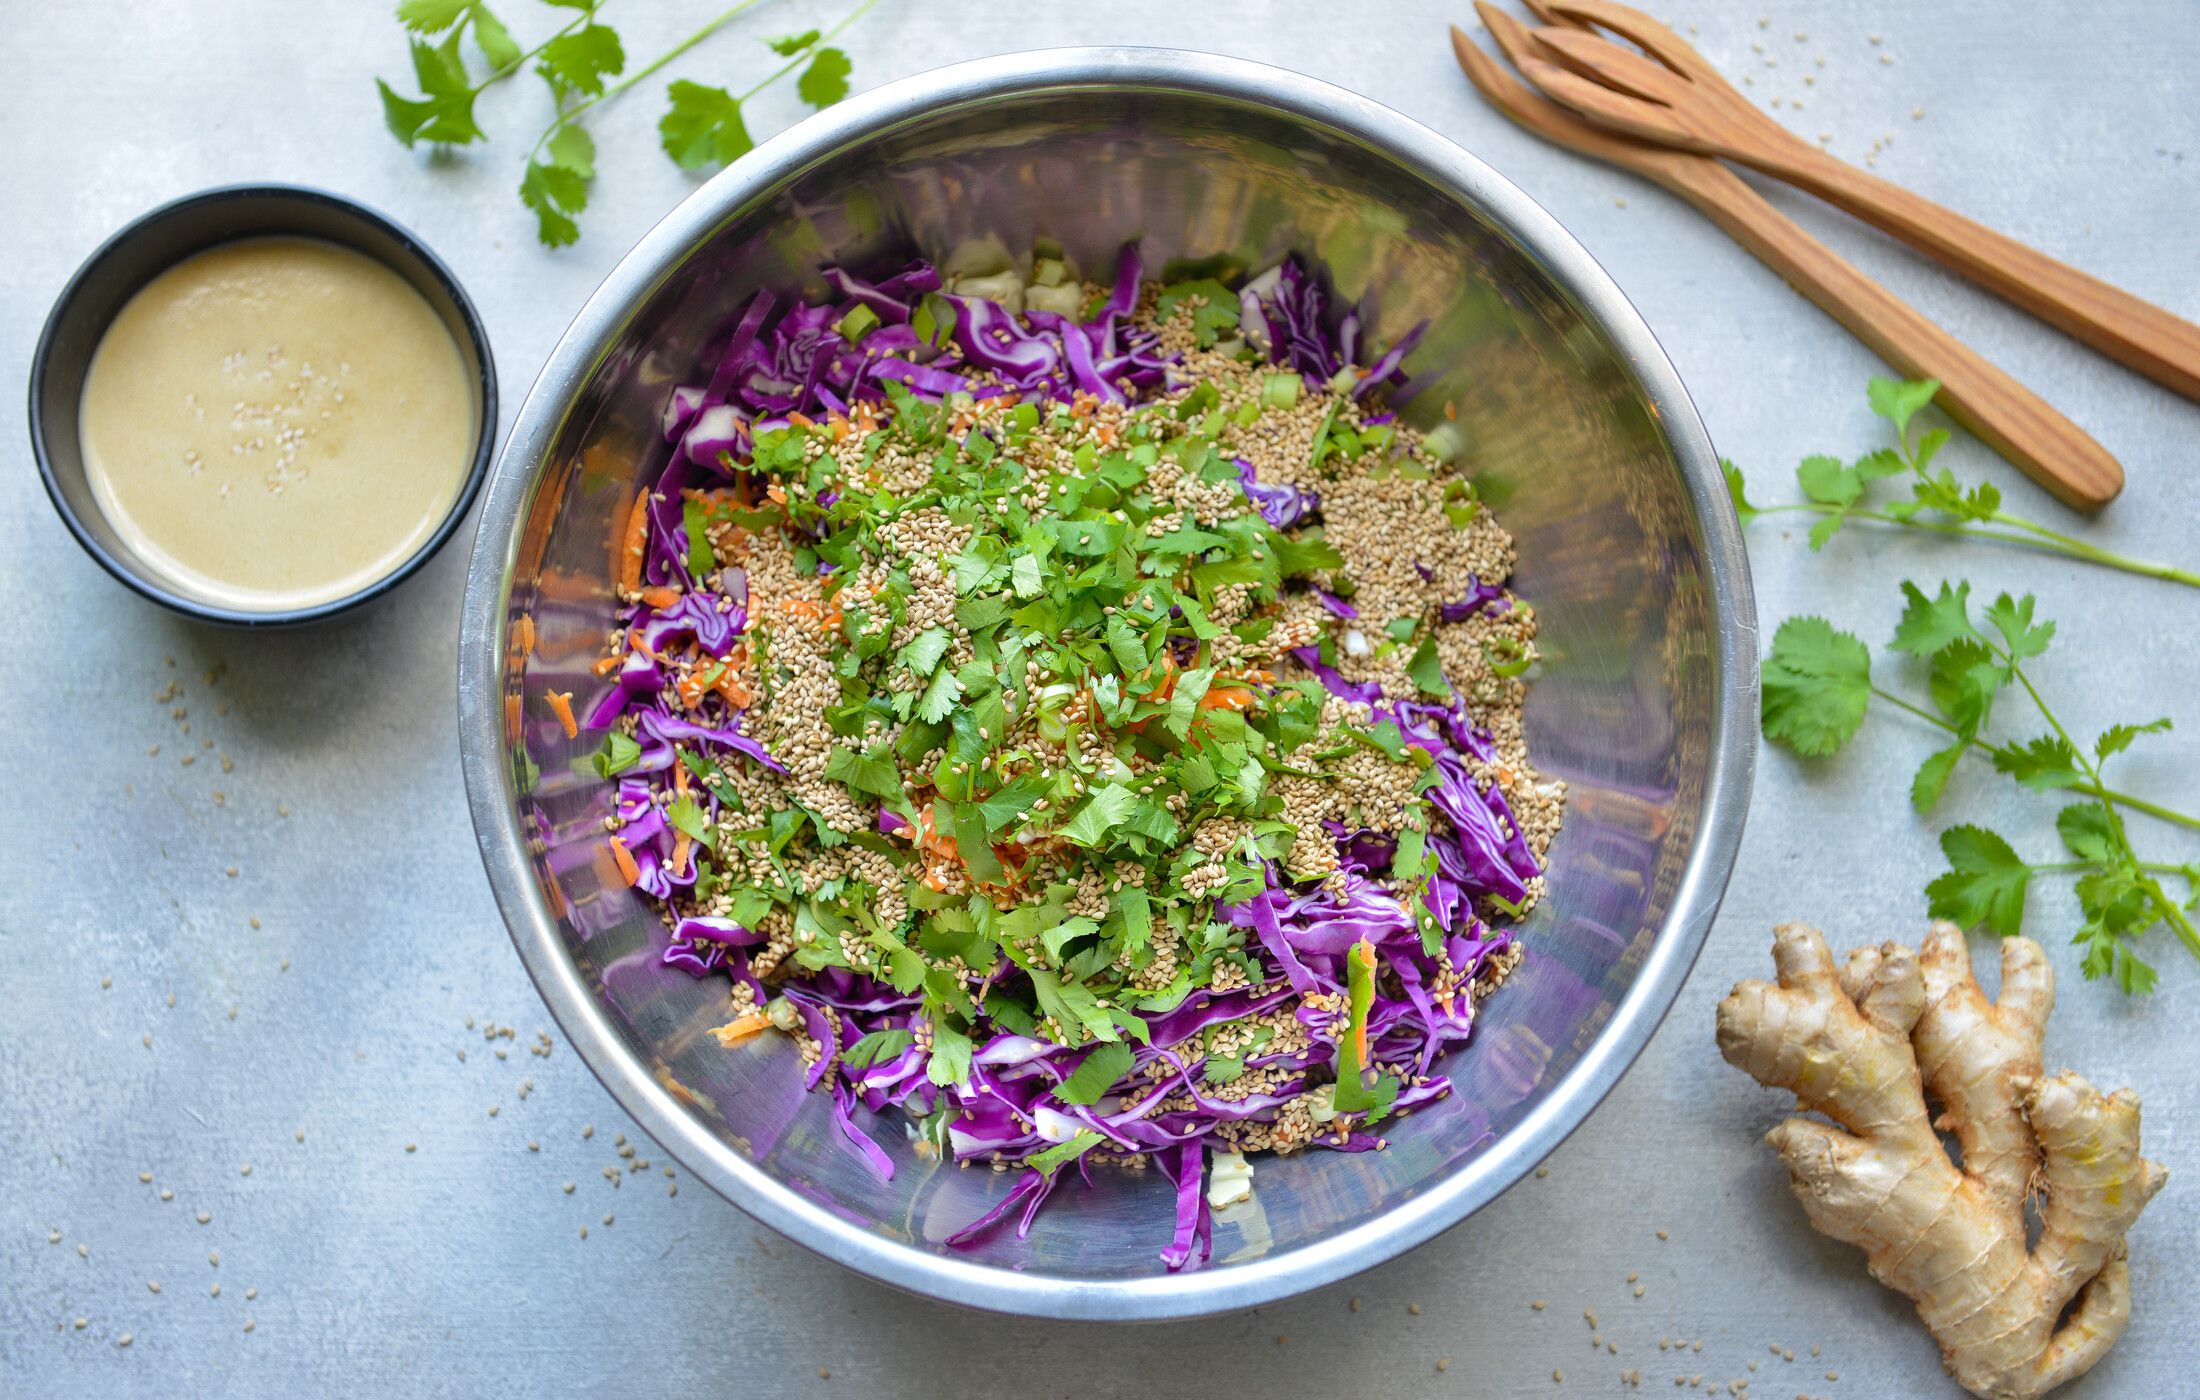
1998 410
1669 94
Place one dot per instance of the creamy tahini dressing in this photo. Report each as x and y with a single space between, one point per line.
277 422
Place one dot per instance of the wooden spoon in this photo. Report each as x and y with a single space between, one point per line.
2015 422
1675 98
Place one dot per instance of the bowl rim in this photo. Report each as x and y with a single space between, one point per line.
149 225
1005 1290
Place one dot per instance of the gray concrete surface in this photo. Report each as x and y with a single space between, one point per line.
297 937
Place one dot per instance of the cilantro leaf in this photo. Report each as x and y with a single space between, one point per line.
1963 680
2013 619
619 753
1929 625
1096 1073
1191 688
1932 776
497 43
1128 648
555 194
922 655
703 126
694 521
793 44
1427 670
2089 830
1828 481
1223 1069
1898 400
2042 764
950 1061
1734 489
940 696
1073 1006
444 115
1105 809
1049 1160
873 773
579 60
1817 685
2119 736
431 16
1985 881
1218 316
878 1047
1885 462
825 81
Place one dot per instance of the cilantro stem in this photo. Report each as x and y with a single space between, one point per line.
1926 715
2092 788
2071 867
801 55
500 74
2034 536
567 118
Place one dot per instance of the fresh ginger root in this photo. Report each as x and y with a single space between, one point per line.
1864 1047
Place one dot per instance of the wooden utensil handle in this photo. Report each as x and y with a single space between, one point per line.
2014 421
2163 347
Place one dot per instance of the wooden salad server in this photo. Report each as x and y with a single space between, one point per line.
1669 94
1998 410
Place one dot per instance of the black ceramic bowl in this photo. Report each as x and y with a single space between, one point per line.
157 242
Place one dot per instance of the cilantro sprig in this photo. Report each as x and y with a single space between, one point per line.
703 128
1837 493
1818 687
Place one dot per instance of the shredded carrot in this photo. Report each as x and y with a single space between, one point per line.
839 425
638 642
636 540
561 705
1228 697
776 494
736 689
680 779
741 1027
660 596
1451 410
624 859
523 631
605 665
681 844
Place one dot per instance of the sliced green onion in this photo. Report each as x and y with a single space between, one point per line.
1280 390
860 321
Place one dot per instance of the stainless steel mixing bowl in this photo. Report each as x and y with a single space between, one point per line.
1576 426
